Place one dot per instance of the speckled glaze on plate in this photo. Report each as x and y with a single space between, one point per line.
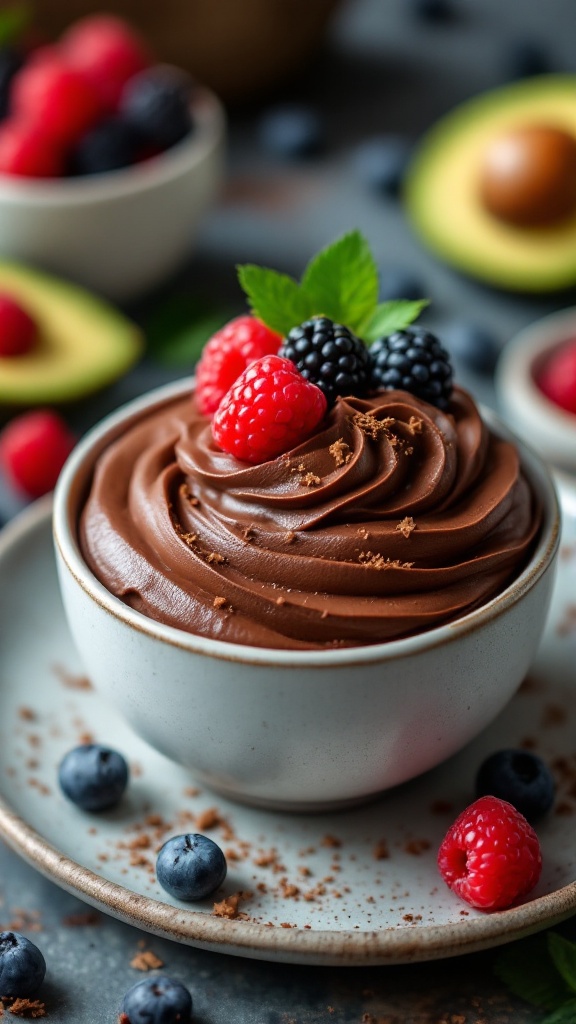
355 887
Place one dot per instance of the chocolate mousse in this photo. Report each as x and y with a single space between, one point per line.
392 518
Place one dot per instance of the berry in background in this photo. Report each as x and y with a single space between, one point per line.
54 98
93 777
108 146
26 152
18 330
557 378
156 104
22 966
107 52
290 132
33 448
10 62
157 1000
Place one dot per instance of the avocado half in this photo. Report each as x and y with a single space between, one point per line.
83 342
442 195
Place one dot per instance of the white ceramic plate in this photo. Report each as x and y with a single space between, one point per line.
359 887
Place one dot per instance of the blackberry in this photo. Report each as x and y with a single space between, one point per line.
412 360
108 146
10 63
330 356
156 102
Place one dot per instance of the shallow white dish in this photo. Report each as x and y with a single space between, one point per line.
372 911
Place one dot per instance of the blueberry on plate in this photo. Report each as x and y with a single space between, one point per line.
380 163
22 966
290 131
474 346
190 867
93 777
521 778
156 103
400 284
157 1000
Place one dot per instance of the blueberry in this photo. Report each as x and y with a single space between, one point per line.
380 163
526 58
111 144
22 966
432 10
93 777
290 131
10 63
401 284
474 346
190 867
156 103
157 1000
521 778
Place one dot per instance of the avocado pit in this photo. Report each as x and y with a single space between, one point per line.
528 176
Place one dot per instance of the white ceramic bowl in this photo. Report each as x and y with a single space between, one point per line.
549 429
123 232
300 730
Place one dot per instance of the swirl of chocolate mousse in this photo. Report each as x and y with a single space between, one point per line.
394 517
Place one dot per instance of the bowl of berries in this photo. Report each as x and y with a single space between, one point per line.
320 568
536 383
108 159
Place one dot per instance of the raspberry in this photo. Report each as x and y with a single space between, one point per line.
267 411
26 152
227 354
557 379
52 96
412 360
33 449
18 331
108 52
330 356
491 855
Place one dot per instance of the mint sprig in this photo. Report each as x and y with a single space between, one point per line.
542 971
340 282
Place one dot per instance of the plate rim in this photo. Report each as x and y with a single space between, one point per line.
245 938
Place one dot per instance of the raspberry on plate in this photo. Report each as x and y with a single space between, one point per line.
55 98
33 449
108 52
227 354
490 856
268 410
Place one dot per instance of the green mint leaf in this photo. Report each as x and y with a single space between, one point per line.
13 21
565 1014
342 281
392 316
563 956
527 970
274 298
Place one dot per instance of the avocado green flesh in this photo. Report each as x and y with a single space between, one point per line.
83 343
442 195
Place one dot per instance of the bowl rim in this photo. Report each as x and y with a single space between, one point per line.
514 379
210 121
65 514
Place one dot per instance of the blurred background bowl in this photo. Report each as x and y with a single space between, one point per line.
237 49
123 232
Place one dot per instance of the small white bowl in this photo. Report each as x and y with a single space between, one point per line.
123 232
300 730
549 429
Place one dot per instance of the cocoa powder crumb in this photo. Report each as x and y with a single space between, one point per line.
280 600
381 851
146 961
27 714
417 846
330 841
219 602
73 682
406 526
208 819
311 480
441 807
415 425
85 919
228 907
29 1008
290 537
215 557
376 561
340 452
